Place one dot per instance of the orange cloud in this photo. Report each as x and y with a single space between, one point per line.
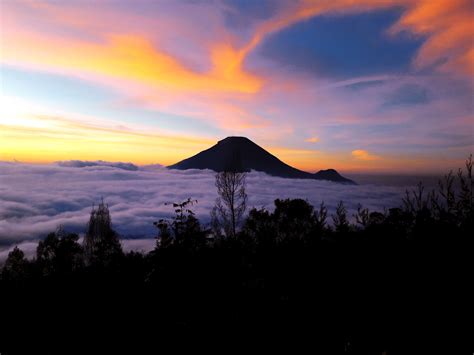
312 140
449 26
132 64
132 58
447 23
360 154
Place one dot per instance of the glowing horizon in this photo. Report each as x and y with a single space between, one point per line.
363 86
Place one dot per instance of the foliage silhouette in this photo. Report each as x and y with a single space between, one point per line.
59 253
184 230
397 282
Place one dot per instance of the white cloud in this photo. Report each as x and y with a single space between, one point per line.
35 199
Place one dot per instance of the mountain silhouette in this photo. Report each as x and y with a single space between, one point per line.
241 154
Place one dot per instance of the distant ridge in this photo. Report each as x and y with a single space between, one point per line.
241 154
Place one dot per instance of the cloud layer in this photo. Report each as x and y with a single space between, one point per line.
36 199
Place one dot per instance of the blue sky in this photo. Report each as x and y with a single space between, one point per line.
344 46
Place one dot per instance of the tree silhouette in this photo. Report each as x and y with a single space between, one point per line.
260 227
59 253
101 243
341 223
46 254
321 216
232 201
294 220
16 265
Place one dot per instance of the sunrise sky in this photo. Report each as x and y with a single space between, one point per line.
367 86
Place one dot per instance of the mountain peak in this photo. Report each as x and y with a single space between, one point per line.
235 140
236 153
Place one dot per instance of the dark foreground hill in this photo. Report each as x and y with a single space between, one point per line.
241 154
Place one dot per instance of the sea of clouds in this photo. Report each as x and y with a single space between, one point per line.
36 199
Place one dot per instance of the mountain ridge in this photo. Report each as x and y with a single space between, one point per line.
241 154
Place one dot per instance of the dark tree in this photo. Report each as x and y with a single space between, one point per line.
101 243
59 253
465 203
362 216
164 239
260 227
16 265
321 216
232 201
341 223
295 220
46 254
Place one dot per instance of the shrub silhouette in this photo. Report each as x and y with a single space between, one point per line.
184 230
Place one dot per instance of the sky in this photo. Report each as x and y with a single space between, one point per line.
359 86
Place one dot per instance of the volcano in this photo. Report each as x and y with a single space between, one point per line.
242 155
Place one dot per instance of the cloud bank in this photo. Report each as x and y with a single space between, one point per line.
36 199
